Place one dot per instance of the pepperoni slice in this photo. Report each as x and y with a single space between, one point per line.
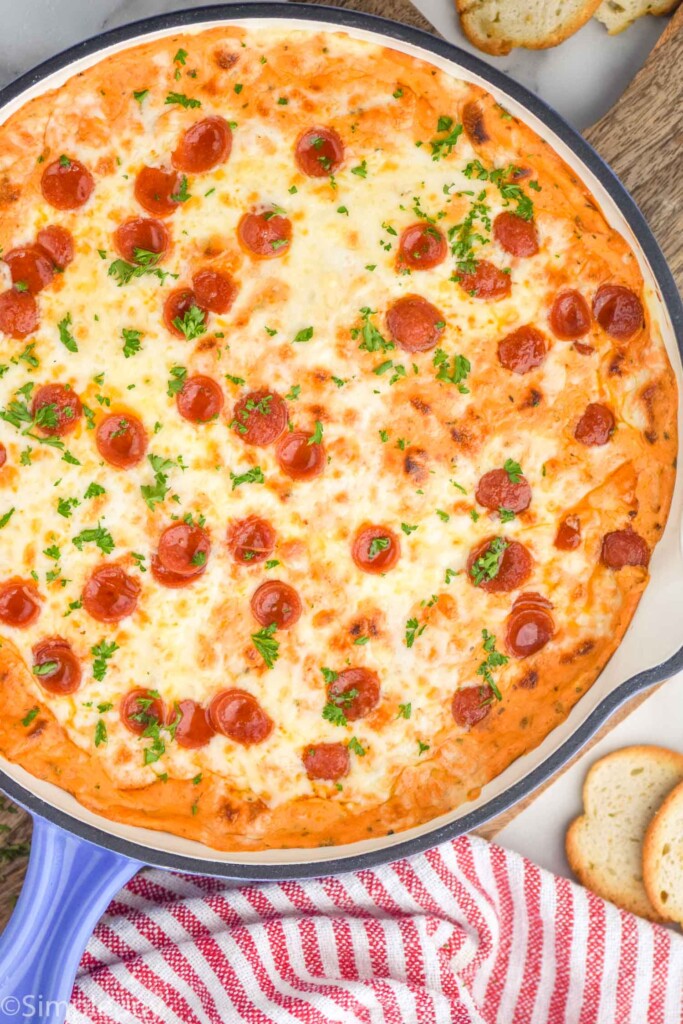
471 704
319 152
624 547
276 602
121 440
194 728
214 290
56 409
240 717
172 580
522 350
517 236
110 594
177 304
596 425
265 234
299 456
569 316
251 540
375 549
415 324
421 247
141 235
568 535
155 190
495 490
530 625
486 282
203 146
3 455
66 184
57 242
260 417
327 761
19 603
473 123
200 400
356 691
618 310
59 670
184 549
141 708
498 564
18 313
30 267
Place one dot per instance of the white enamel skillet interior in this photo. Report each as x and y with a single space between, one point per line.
653 646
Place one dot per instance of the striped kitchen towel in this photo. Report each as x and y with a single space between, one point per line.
467 933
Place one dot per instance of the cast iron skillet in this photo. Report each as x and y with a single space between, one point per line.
75 868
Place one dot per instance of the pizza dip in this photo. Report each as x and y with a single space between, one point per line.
336 437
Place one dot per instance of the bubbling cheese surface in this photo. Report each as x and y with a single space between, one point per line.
405 446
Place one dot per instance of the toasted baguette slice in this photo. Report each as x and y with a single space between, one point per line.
496 26
621 793
616 15
663 858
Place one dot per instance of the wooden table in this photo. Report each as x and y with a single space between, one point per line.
642 139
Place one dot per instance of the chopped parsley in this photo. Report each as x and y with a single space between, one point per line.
494 659
177 381
452 370
361 171
356 746
408 529
413 631
182 195
445 144
140 94
487 566
450 575
29 716
293 393
304 335
329 675
182 100
266 645
422 747
102 652
317 435
372 339
513 470
95 535
100 733
155 493
131 341
252 476
192 324
4 519
506 515
377 544
146 263
45 668
405 710
66 505
65 336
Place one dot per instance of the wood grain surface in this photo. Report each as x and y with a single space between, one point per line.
642 139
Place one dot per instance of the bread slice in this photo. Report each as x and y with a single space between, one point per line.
616 15
604 845
496 26
663 858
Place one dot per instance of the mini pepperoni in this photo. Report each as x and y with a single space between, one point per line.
251 540
18 313
194 728
121 440
522 350
59 668
172 580
471 704
415 324
66 184
157 191
495 490
240 717
568 535
596 425
19 603
517 236
141 708
327 761
375 549
498 567
260 417
530 625
319 152
265 234
57 242
299 456
184 549
421 247
56 409
214 290
200 399
486 282
624 547
276 602
176 306
141 235
569 316
3 455
618 310
30 267
203 146
356 691
110 594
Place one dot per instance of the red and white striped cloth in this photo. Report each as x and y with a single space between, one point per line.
466 934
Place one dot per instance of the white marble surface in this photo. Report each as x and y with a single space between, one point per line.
582 78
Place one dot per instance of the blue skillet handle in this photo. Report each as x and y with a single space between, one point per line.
68 885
